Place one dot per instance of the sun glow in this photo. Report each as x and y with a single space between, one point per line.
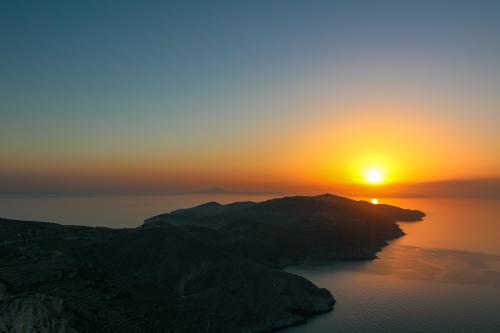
374 176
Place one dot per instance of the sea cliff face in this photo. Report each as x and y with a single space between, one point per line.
212 268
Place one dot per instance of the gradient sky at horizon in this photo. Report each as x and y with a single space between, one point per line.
100 96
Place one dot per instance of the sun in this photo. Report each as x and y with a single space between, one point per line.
374 176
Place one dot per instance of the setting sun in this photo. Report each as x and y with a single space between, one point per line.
374 176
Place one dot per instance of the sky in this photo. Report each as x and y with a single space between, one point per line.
155 96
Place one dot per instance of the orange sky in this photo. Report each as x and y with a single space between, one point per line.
407 145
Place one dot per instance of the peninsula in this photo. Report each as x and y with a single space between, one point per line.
210 268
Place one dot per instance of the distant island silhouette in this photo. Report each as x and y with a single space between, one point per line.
210 268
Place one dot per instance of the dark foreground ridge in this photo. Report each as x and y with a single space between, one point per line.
211 268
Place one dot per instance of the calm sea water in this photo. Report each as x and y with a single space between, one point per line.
108 211
443 276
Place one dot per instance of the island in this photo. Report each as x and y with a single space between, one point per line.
210 268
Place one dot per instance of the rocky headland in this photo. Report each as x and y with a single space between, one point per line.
210 268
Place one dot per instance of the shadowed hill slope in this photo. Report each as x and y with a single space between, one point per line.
56 278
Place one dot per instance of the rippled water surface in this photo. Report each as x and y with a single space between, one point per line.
443 276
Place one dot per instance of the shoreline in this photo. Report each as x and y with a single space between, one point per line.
225 261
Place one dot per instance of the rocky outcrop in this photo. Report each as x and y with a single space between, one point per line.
33 313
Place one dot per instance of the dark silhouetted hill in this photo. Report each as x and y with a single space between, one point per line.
210 268
296 229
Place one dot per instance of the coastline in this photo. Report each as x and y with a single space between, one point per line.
243 263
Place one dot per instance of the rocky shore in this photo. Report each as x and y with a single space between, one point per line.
211 268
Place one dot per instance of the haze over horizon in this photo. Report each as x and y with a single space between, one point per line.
249 96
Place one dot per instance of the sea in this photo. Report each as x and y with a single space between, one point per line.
442 276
